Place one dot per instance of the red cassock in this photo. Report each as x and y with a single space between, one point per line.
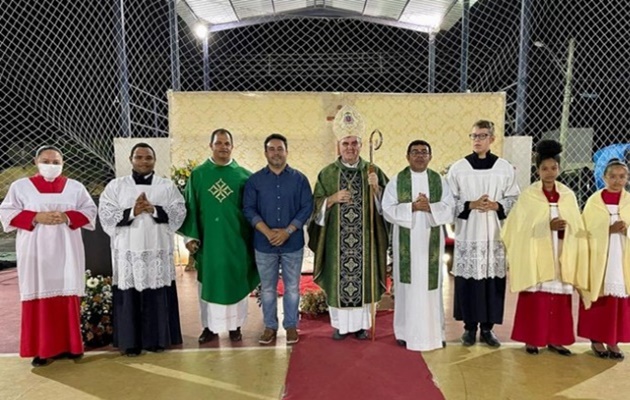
608 319
544 318
50 324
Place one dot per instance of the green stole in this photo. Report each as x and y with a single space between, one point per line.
404 234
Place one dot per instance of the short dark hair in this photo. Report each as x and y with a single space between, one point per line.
47 147
485 124
278 137
220 131
141 145
418 143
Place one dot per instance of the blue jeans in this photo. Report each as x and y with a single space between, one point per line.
268 268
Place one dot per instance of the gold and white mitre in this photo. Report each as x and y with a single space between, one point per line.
348 122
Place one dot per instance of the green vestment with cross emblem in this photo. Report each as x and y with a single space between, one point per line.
225 260
343 247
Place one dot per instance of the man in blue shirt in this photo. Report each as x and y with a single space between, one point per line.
277 201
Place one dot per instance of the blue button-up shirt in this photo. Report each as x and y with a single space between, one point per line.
279 201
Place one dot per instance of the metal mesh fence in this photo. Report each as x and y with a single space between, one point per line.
80 73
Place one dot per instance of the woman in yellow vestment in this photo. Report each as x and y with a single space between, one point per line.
605 318
546 248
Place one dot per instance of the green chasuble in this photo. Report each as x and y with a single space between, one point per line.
342 246
403 187
225 261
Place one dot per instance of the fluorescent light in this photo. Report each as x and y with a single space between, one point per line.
430 21
201 31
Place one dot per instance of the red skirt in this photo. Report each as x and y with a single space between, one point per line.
51 326
607 321
543 318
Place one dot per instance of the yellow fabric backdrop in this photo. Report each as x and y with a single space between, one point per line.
444 120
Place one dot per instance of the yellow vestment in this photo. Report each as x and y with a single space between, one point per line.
597 222
528 241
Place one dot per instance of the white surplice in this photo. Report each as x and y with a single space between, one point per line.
51 258
479 252
614 282
556 285
142 253
418 311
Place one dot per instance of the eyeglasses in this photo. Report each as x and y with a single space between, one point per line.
421 153
482 136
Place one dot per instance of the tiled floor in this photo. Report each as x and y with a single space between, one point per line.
189 309
223 370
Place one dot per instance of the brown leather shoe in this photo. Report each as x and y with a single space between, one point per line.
292 336
268 336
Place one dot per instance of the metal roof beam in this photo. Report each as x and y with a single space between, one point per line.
403 10
234 10
280 17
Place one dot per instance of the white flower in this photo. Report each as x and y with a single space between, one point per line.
92 283
181 182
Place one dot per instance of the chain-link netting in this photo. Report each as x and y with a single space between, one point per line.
81 73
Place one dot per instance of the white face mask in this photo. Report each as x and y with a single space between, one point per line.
49 171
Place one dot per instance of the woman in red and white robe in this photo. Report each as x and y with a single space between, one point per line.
47 211
605 316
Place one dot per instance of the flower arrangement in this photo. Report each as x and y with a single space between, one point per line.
313 303
96 311
180 175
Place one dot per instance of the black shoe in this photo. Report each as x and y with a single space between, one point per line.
469 338
599 353
615 355
443 344
489 338
563 351
338 336
72 356
133 352
68 355
531 349
401 343
206 336
156 349
40 362
361 334
236 335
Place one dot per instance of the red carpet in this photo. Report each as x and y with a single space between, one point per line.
10 309
321 368
307 284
